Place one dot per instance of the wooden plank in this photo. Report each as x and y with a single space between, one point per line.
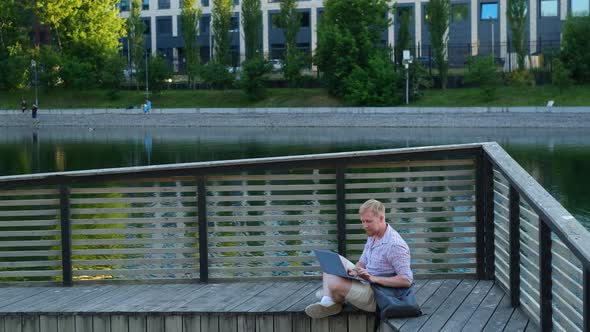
133 301
83 322
337 323
270 296
66 323
273 189
119 231
154 251
460 317
485 310
150 221
88 296
270 177
108 299
155 323
137 323
427 194
320 325
30 264
416 163
403 175
134 190
274 198
48 323
270 228
133 200
440 317
264 323
194 293
130 210
387 183
501 316
172 323
272 208
29 213
299 299
101 323
302 323
30 323
357 322
30 253
518 321
422 295
165 296
246 323
33 243
191 323
13 323
120 323
227 323
283 322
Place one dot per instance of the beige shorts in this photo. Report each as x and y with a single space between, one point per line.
361 296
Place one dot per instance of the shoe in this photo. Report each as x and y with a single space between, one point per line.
317 310
319 293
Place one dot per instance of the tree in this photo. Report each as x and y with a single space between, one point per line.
403 39
190 15
482 71
158 72
252 26
438 12
135 31
252 82
222 13
345 44
517 16
15 27
290 22
575 47
561 76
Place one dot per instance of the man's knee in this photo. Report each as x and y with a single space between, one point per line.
337 285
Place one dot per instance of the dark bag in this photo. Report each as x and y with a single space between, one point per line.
395 302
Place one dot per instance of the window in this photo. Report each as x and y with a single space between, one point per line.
548 8
305 20
145 4
459 12
489 11
164 26
405 10
163 4
204 25
234 24
205 3
580 7
124 5
147 26
275 20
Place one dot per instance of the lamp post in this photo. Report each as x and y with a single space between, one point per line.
492 21
34 65
407 59
147 84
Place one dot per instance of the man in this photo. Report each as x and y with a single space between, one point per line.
23 104
147 106
385 253
34 110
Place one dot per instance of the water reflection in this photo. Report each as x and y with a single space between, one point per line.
557 158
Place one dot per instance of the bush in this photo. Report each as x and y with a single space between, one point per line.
216 76
419 79
158 72
48 66
15 69
520 78
111 75
575 52
77 74
482 72
293 65
561 76
252 77
376 85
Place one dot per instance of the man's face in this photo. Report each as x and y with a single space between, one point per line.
372 222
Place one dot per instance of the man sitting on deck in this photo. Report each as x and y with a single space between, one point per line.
385 253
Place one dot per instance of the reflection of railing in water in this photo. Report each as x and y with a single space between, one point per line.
459 208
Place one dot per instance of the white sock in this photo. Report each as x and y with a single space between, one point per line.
327 301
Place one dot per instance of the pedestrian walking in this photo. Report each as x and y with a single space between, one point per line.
34 110
23 104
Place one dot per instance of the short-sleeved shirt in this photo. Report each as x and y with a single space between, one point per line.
390 254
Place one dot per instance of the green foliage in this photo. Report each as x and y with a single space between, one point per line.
77 73
575 47
419 80
346 45
216 76
561 76
222 13
482 72
439 12
190 15
48 66
14 68
403 39
290 22
520 78
517 16
377 84
158 73
135 30
252 81
111 73
252 25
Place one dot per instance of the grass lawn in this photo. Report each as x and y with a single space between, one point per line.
464 97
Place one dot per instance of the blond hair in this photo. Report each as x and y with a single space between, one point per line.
374 206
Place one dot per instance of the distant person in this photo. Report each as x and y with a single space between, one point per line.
23 104
147 106
34 110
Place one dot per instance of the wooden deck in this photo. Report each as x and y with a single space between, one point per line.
449 304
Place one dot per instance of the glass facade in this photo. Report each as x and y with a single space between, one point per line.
549 8
489 11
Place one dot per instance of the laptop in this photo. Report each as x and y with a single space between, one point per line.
331 263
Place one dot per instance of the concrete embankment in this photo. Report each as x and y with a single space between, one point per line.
432 117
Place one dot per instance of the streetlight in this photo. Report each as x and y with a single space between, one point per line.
147 85
34 65
492 21
407 59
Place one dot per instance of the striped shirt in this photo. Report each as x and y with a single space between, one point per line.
390 254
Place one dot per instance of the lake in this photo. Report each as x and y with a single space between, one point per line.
558 158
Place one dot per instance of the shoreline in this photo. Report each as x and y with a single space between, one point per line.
381 117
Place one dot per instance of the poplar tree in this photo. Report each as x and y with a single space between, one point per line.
439 12
222 13
517 15
290 22
252 26
135 31
190 16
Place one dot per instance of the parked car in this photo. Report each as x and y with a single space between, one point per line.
277 64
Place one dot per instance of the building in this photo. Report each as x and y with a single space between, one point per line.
476 27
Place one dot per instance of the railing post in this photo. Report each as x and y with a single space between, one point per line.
545 276
341 210
586 300
203 234
66 235
488 173
514 210
484 192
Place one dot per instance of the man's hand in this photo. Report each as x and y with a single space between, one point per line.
352 272
363 274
